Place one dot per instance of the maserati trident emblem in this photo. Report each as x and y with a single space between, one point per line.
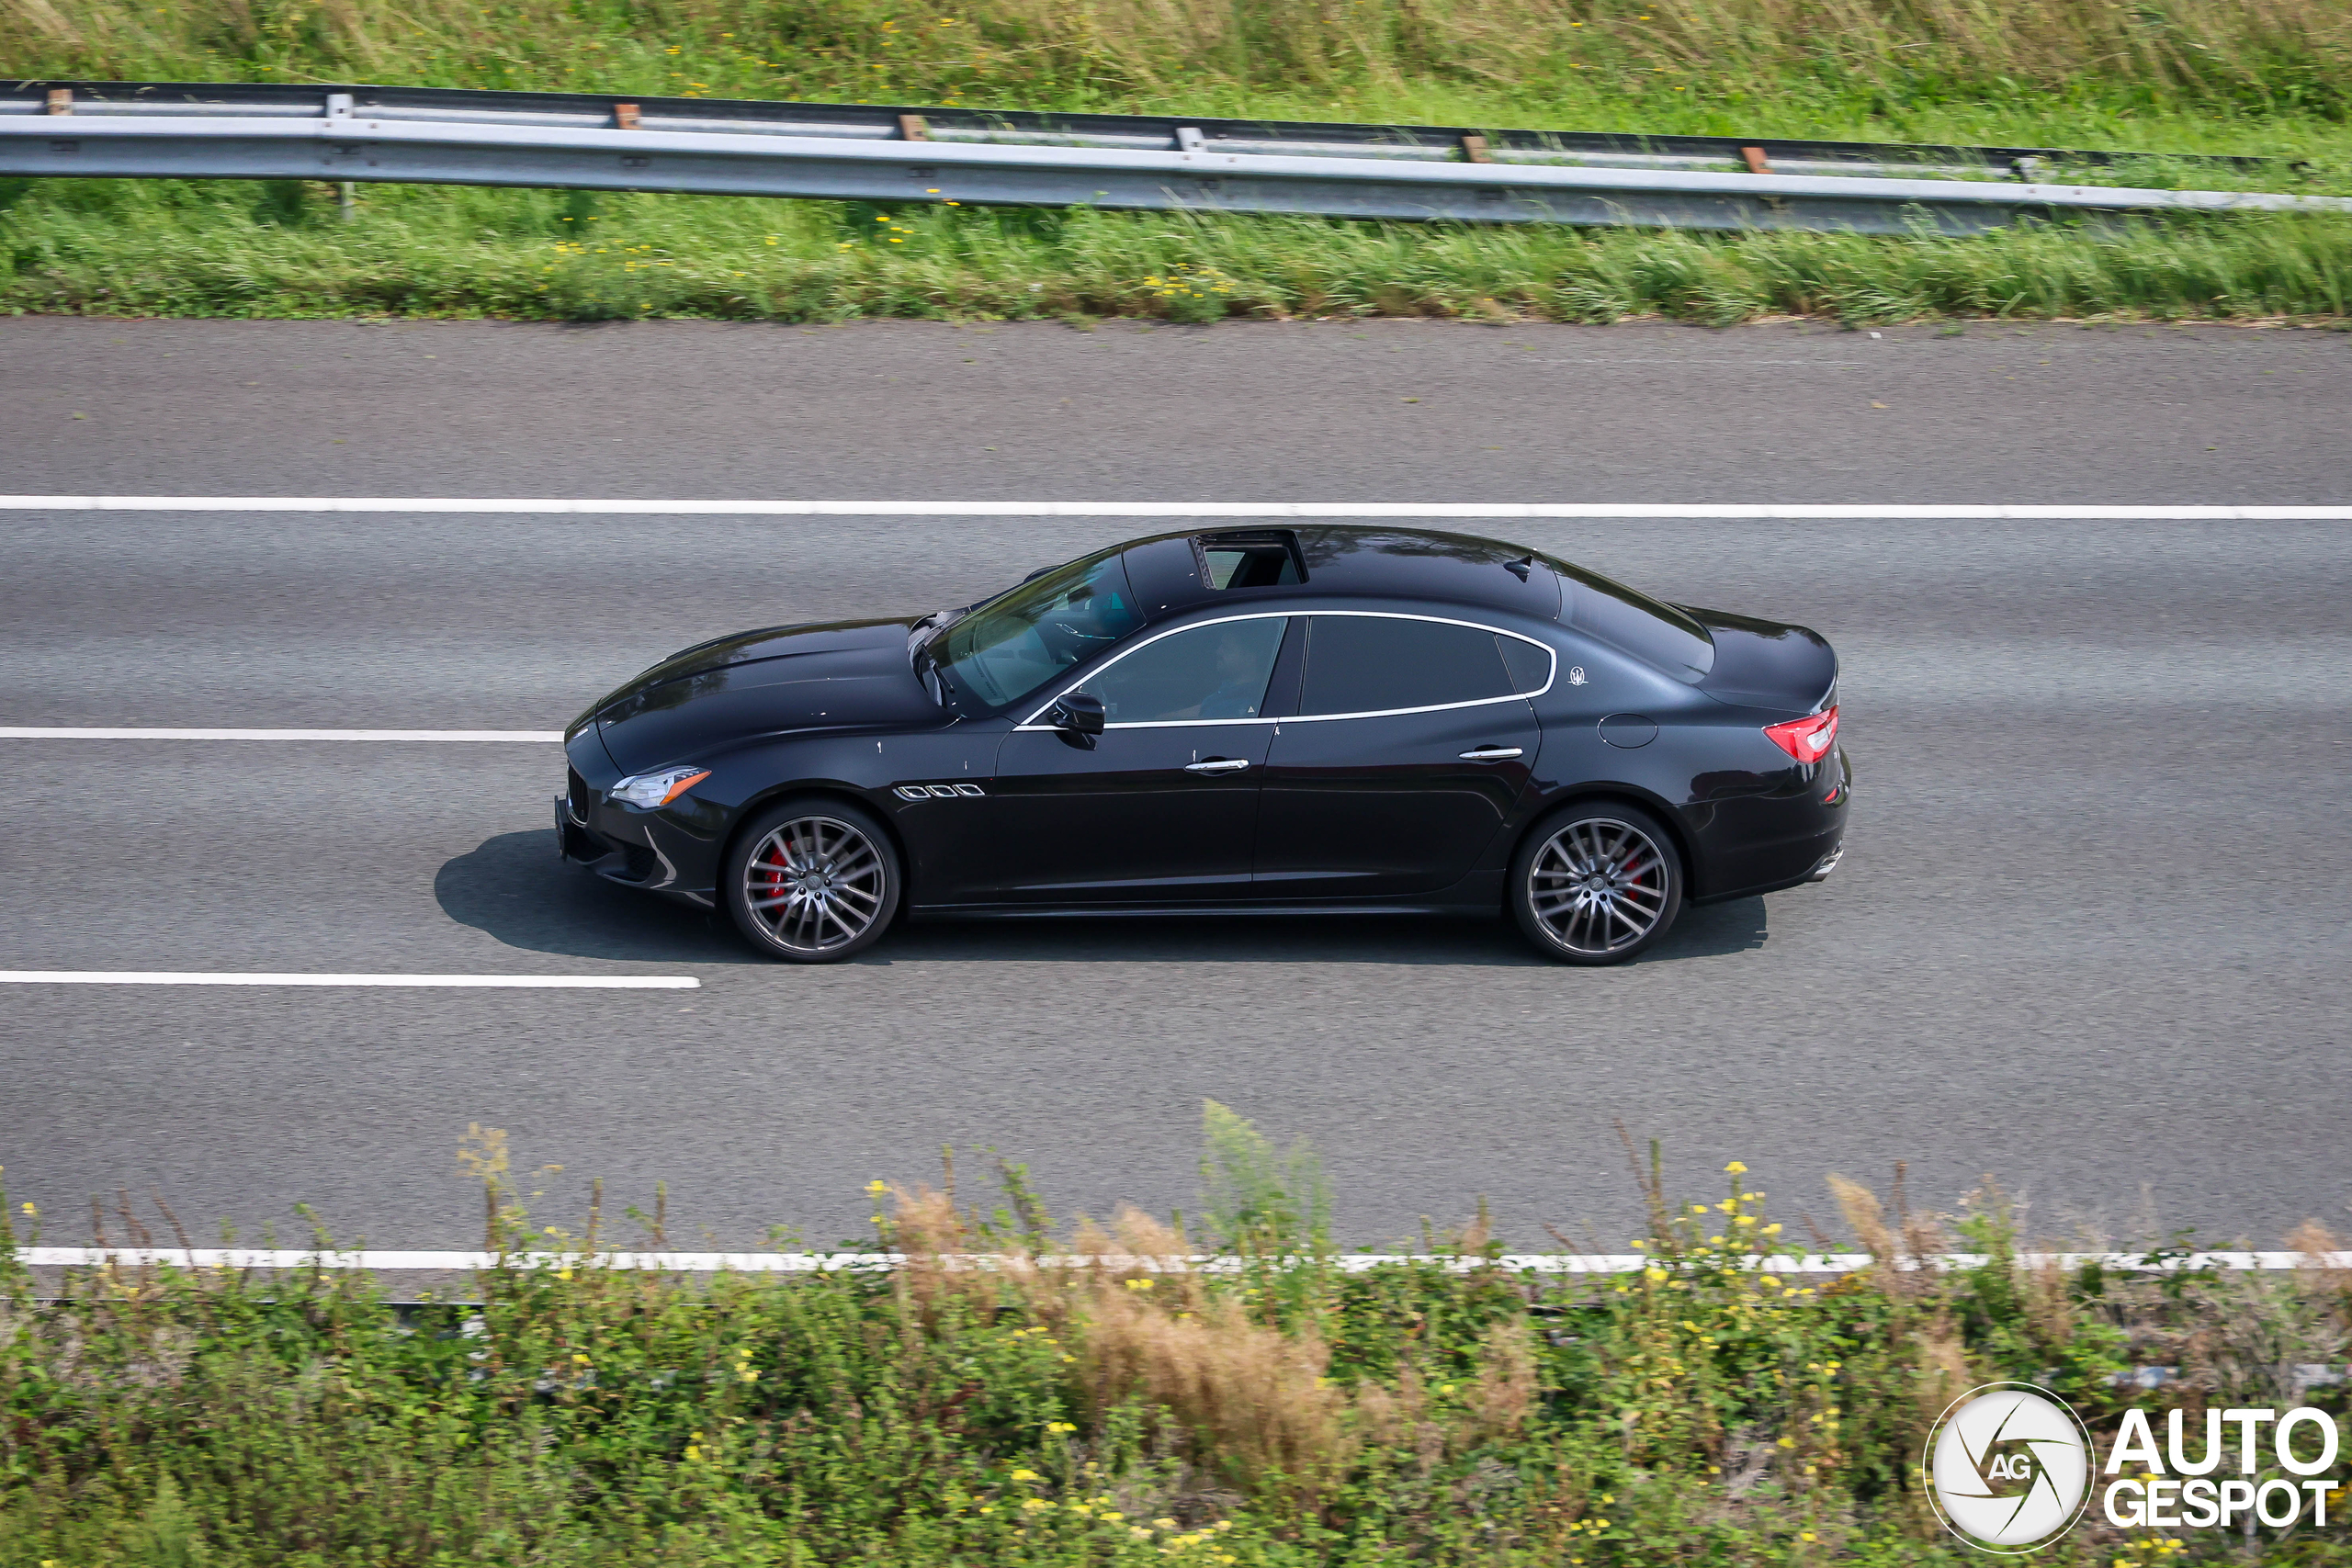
1575 674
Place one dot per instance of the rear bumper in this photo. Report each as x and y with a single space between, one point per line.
1762 844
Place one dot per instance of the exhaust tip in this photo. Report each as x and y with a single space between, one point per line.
1826 864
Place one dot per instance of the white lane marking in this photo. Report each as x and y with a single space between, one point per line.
1354 1262
471 982
23 732
1500 511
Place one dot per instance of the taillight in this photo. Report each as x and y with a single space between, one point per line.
1807 739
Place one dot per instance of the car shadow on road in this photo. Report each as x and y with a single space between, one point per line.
516 888
513 887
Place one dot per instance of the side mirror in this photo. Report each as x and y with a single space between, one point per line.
1079 713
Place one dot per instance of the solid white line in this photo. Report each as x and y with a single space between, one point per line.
1492 511
55 732
819 1262
471 982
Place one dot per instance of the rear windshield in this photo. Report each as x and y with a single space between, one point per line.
1018 641
1650 629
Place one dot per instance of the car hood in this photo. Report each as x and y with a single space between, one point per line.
844 674
1766 664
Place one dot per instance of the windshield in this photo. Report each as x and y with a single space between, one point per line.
1019 641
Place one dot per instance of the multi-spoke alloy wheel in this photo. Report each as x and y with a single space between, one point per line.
1597 886
813 881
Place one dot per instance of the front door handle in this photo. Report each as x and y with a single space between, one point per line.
1492 754
1215 765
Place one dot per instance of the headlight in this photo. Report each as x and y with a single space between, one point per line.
649 790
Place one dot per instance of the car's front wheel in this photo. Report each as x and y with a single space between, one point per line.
814 880
1597 884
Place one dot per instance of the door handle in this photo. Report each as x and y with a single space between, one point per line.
1492 754
1215 765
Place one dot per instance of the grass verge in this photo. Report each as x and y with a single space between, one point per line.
2165 77
1132 1413
122 248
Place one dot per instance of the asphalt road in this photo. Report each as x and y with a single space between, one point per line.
2090 938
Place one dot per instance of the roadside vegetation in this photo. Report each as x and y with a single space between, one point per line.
2162 77
1136 1411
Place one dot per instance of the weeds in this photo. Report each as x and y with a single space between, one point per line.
1016 1395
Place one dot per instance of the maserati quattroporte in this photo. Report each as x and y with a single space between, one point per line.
1262 721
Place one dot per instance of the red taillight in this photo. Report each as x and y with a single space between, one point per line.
1807 739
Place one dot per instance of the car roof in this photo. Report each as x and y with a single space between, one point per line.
1350 561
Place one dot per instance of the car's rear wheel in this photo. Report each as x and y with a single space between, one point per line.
814 880
1597 884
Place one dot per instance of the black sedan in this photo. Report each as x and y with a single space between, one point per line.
1269 721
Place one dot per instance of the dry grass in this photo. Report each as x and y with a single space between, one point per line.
1920 1294
1240 1395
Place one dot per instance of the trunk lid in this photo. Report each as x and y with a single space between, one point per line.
1766 664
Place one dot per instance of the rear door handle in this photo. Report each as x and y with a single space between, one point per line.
1217 766
1492 754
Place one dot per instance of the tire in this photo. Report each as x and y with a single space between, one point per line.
1596 884
813 880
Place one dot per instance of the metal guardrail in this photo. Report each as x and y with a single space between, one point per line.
447 136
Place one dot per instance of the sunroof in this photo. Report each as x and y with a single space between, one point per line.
1261 558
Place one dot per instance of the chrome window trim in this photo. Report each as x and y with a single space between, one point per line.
1549 675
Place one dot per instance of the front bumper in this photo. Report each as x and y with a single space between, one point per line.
634 848
582 845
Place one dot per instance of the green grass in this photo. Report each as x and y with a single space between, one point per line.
2162 77
120 248
1284 1416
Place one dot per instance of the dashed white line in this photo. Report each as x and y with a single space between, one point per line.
1335 510
463 982
65 732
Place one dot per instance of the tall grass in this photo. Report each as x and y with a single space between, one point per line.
1131 1411
2269 55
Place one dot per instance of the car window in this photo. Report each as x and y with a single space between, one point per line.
1530 666
1219 670
1373 663
1018 641
1649 629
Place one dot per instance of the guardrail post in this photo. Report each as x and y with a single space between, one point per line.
61 100
1189 139
1754 157
914 128
1474 149
623 117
